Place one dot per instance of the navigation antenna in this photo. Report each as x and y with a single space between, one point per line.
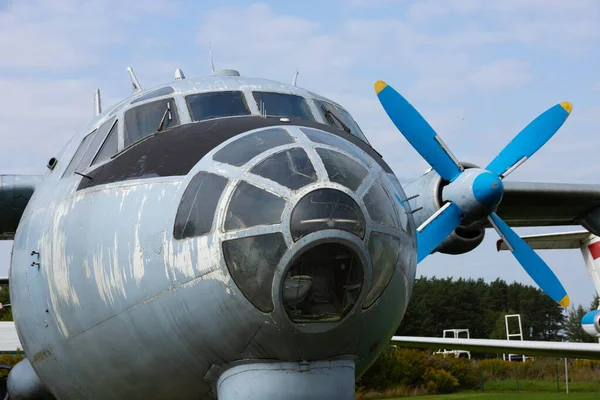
212 62
295 78
134 82
97 103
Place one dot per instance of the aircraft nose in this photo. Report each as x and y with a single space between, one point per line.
304 220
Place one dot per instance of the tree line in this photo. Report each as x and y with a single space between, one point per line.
446 303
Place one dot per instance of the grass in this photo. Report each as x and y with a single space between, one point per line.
540 386
508 396
528 389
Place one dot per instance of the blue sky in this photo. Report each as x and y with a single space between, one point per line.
478 70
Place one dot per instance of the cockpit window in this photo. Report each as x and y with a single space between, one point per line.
210 105
149 118
79 153
94 145
339 118
282 105
110 147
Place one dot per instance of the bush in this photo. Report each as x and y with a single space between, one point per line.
414 369
400 370
442 380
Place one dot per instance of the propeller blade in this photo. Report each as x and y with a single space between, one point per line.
418 132
537 269
530 139
437 228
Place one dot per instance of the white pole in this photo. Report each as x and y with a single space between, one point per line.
566 376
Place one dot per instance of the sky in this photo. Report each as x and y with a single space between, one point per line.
479 71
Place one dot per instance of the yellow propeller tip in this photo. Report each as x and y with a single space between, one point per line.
565 301
379 86
567 106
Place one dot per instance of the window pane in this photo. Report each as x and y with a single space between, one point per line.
79 153
323 284
339 118
329 139
198 205
217 104
144 120
94 144
110 147
252 262
326 209
290 168
384 250
252 206
380 207
342 169
244 149
283 105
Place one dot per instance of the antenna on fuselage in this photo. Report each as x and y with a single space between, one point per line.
212 61
295 78
179 74
134 82
97 103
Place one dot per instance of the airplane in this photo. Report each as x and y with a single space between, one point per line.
234 237
589 245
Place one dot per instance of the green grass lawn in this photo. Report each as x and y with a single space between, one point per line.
529 389
510 396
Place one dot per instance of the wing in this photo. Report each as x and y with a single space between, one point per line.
527 347
15 192
564 240
547 204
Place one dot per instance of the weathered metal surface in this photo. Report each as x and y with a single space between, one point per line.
108 305
314 380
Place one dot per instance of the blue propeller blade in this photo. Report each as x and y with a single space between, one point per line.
437 228
530 139
418 132
537 269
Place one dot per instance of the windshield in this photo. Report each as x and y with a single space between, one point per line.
282 105
149 118
210 105
339 118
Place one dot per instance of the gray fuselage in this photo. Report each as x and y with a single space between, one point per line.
257 236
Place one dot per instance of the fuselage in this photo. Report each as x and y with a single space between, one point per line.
203 222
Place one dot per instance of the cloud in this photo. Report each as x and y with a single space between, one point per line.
373 3
68 34
478 71
502 75
38 117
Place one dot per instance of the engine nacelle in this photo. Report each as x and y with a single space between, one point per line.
429 189
591 221
591 323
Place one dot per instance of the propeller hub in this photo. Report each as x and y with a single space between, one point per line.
488 189
476 192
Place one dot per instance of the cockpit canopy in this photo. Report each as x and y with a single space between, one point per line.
154 111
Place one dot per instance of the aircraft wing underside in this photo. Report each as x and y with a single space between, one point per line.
526 347
547 204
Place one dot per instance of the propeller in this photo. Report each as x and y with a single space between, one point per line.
474 194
